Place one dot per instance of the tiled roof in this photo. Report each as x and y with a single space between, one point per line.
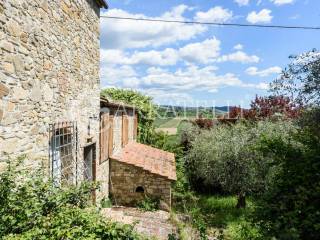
150 159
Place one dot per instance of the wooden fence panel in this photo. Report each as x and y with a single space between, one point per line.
135 127
110 143
104 137
125 130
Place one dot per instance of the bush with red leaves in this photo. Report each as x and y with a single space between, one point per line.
204 123
264 108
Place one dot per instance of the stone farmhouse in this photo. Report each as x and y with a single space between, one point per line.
50 106
50 86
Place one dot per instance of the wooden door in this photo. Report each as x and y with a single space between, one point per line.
105 129
135 126
111 129
104 134
125 130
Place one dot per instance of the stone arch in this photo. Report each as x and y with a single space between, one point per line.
139 189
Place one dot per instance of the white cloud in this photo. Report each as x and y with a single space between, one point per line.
168 56
242 2
112 56
132 83
253 71
192 78
282 2
239 56
238 47
172 85
202 52
205 52
261 86
216 14
120 34
166 96
264 16
111 75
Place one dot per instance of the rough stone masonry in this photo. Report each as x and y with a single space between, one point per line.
49 72
126 178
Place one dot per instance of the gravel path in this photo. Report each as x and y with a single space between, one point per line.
153 224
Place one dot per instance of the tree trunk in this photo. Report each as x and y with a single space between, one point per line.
241 200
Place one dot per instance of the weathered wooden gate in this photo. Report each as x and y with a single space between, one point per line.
125 130
106 136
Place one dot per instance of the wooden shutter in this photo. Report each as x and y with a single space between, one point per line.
125 130
135 127
110 140
104 137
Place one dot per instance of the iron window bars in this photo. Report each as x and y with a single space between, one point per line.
63 153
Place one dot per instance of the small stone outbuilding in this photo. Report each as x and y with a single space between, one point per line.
136 170
139 170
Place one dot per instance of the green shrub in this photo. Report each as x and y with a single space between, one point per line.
32 208
226 156
149 204
289 209
243 230
106 203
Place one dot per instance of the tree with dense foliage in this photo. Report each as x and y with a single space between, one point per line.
289 209
144 105
226 156
188 135
31 207
300 81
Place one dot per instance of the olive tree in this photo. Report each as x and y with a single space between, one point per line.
301 79
227 156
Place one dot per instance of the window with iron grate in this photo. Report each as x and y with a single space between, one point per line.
63 152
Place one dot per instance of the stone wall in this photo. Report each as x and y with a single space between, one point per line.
126 178
49 72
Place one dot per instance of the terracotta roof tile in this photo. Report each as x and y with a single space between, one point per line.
150 159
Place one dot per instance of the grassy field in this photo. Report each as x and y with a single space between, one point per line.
219 212
190 112
159 121
167 122
216 213
170 125
219 215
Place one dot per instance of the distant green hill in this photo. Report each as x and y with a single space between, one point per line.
190 112
223 108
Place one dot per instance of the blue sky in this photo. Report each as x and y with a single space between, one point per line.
199 65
